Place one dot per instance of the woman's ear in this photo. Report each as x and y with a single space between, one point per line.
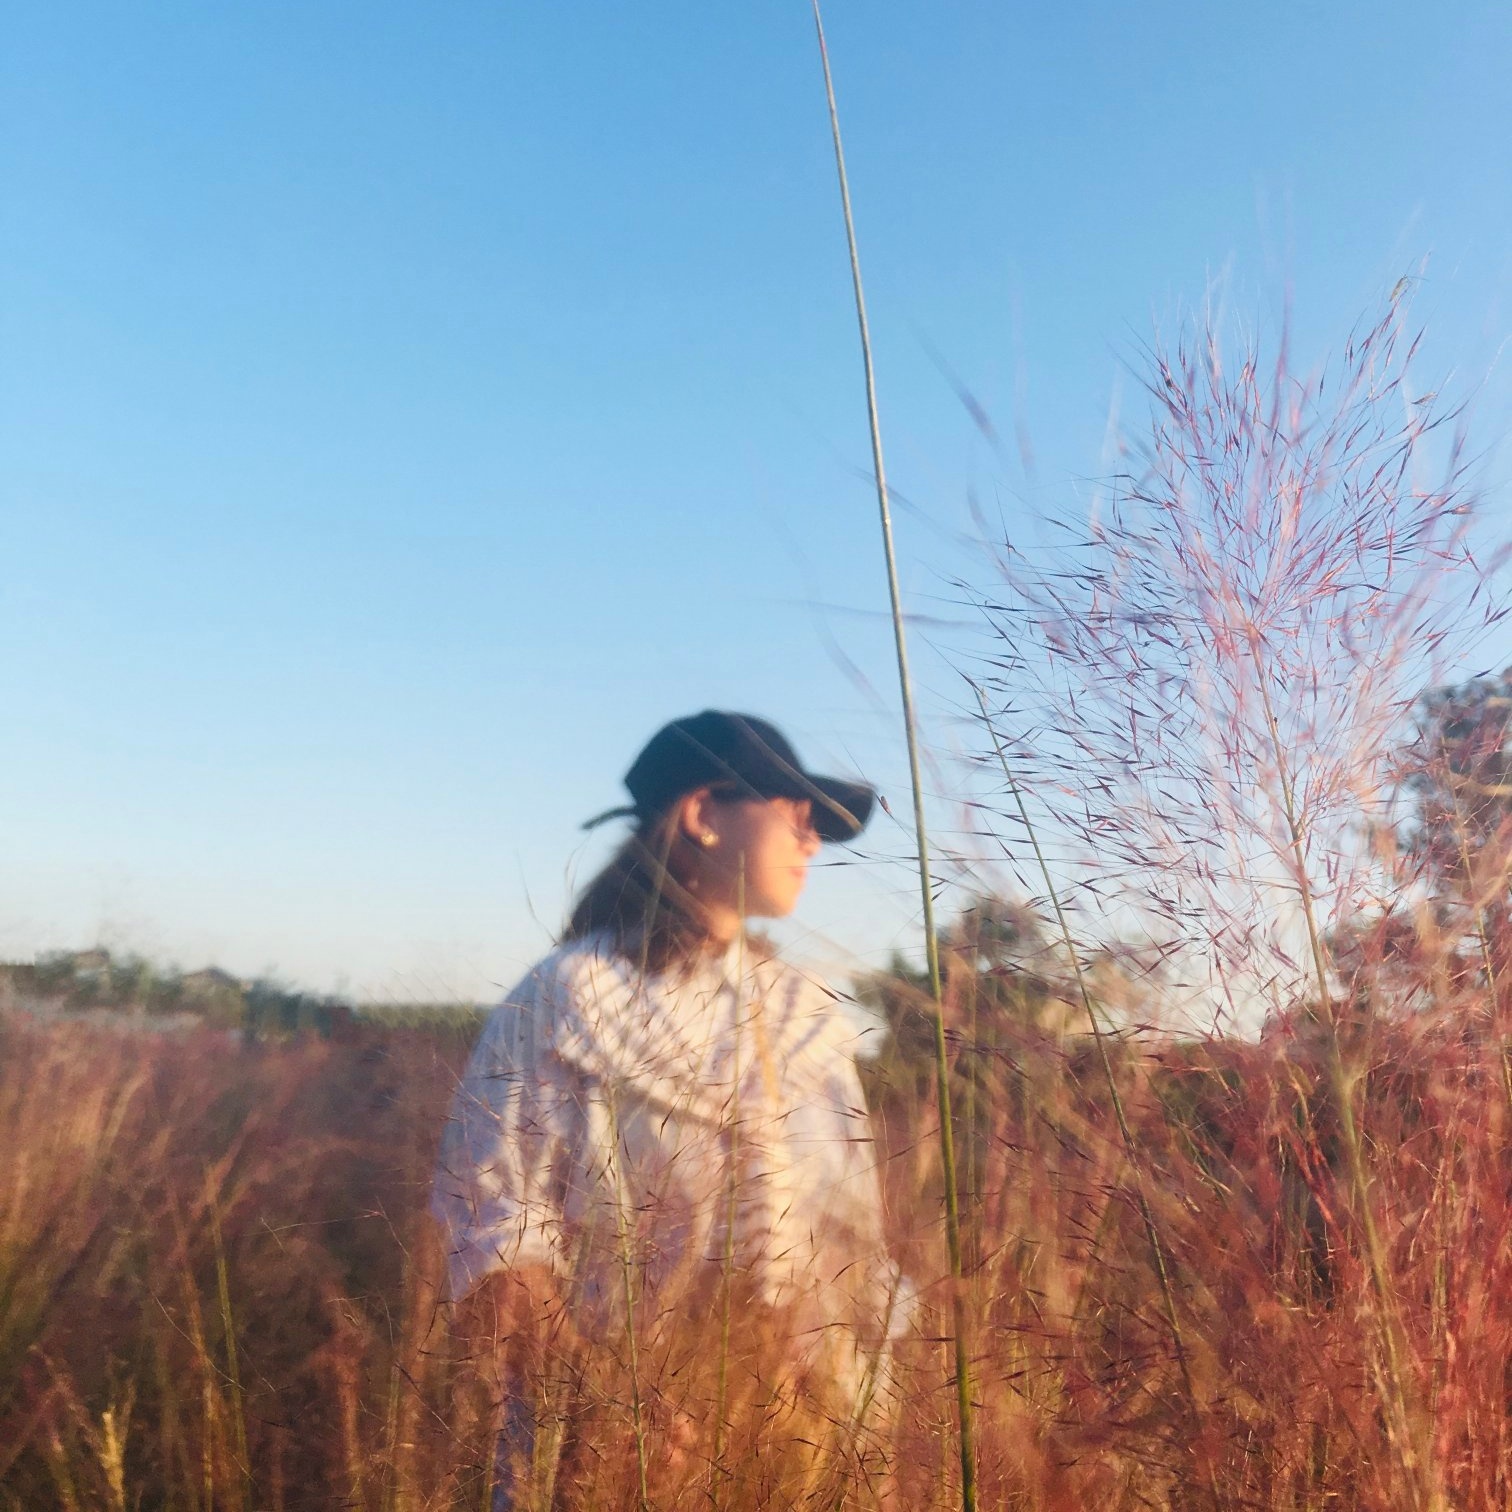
695 816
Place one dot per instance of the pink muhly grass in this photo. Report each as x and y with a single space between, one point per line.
1205 701
1206 698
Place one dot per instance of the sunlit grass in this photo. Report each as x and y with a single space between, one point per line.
123 1310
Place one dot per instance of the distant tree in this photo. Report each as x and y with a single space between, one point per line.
130 982
94 979
1446 943
1007 981
1461 829
1005 984
272 1011
1462 784
53 974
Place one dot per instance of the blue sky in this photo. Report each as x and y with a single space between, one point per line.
404 410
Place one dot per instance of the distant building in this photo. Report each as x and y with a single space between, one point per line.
210 988
209 984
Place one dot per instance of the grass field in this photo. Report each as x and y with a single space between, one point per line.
218 1285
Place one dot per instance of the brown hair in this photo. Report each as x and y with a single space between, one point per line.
639 901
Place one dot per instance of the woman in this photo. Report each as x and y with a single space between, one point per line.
661 1130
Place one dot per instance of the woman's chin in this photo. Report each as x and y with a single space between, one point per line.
771 908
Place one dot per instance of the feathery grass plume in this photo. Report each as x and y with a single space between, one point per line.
1243 637
961 1346
1204 700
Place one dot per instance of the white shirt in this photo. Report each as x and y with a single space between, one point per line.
606 1114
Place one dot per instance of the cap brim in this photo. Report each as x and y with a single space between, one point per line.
841 809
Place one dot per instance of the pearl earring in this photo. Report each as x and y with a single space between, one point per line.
706 840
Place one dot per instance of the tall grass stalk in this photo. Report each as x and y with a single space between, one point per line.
228 1335
625 1255
717 1468
115 1422
959 1332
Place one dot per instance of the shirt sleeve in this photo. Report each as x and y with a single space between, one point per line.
508 1147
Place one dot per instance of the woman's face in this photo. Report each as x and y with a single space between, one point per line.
760 853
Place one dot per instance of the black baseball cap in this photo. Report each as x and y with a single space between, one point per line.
748 756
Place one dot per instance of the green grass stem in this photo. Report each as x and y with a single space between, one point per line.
921 832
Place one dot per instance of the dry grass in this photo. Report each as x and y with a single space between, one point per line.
219 1286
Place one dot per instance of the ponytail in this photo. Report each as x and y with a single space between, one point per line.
651 918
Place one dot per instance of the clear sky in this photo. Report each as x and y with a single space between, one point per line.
405 409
